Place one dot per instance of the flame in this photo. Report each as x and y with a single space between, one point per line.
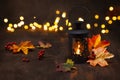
76 48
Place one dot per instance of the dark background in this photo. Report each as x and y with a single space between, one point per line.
13 68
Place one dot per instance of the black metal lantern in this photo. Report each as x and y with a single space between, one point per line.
78 43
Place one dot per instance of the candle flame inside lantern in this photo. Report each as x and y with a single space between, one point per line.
77 48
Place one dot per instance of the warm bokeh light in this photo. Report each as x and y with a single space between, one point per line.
50 28
45 28
12 30
118 17
106 31
34 17
33 27
47 23
114 18
57 20
15 25
39 26
80 19
88 26
5 20
22 23
111 8
69 24
102 25
21 18
61 28
10 25
8 28
110 22
64 15
26 27
96 16
103 31
107 18
95 24
31 24
70 28
57 12
66 22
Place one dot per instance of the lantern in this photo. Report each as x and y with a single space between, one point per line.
78 44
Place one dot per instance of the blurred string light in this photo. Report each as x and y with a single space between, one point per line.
103 31
118 17
110 21
57 12
114 18
102 25
95 24
21 18
80 19
64 15
55 26
5 20
88 26
96 16
111 8
107 18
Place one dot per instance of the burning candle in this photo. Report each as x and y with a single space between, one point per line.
76 47
78 50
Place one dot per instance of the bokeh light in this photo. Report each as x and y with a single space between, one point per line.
111 8
88 26
96 16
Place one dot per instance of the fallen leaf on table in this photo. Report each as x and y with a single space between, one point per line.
101 54
65 67
44 45
23 46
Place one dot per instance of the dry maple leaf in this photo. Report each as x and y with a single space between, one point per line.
23 46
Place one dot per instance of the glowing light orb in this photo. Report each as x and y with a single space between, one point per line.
57 20
47 24
110 22
15 25
22 23
57 12
21 18
33 27
69 24
95 24
106 31
103 31
61 28
107 18
10 25
96 16
26 27
39 26
80 19
5 20
45 28
114 18
12 30
102 25
111 8
88 26
34 17
8 28
31 24
50 29
118 17
70 28
66 22
64 15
